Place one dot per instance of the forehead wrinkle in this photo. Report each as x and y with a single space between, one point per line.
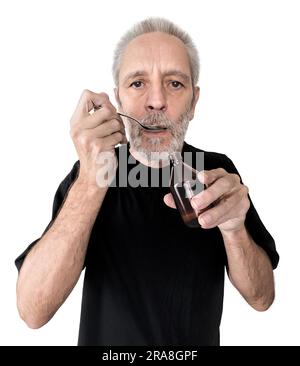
150 52
171 72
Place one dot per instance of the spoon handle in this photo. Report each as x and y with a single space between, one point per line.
152 129
96 107
125 115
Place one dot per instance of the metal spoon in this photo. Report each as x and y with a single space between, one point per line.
148 128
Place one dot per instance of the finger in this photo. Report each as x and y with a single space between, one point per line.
169 201
106 113
88 100
221 186
208 177
112 140
105 129
95 135
226 209
121 119
124 140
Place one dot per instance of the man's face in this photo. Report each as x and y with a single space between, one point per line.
155 86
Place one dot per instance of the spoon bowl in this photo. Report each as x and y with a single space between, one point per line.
148 128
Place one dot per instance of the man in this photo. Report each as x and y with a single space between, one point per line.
150 279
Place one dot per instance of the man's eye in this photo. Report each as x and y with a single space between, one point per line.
136 84
176 84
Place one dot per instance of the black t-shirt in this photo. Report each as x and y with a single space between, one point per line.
150 279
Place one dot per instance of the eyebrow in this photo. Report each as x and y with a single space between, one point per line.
174 72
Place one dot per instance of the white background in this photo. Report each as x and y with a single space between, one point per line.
248 109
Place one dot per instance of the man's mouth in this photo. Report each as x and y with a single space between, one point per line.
158 133
156 121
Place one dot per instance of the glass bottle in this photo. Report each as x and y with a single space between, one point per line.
184 184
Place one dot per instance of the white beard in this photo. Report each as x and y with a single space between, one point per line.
158 148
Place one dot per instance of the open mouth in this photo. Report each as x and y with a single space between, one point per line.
155 123
155 132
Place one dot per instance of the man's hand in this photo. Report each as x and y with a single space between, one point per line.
228 196
95 136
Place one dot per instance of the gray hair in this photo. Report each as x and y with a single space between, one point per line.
150 25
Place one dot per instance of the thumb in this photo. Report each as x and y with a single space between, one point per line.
169 201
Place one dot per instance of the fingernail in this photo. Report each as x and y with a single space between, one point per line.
201 221
201 176
204 220
194 204
197 203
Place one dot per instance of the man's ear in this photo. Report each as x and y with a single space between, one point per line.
194 102
117 97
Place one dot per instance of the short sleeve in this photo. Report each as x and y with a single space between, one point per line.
60 196
253 223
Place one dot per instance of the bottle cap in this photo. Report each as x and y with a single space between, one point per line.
175 157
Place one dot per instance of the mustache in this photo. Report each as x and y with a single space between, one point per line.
157 119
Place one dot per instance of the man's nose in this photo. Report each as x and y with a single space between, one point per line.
156 99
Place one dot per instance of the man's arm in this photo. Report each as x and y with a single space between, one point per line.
53 266
249 269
